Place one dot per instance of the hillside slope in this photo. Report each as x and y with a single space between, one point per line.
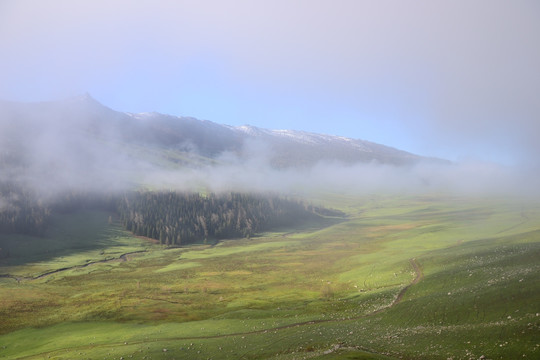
83 127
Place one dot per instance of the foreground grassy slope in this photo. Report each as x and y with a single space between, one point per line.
347 291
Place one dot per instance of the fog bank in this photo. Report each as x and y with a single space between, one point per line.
465 179
53 148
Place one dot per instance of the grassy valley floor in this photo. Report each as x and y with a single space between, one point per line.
424 277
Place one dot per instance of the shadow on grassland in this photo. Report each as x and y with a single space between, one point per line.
91 234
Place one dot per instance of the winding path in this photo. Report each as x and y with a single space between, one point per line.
122 257
525 219
419 276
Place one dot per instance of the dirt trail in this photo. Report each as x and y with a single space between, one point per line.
122 257
525 219
419 276
414 263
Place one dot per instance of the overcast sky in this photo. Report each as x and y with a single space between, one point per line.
455 79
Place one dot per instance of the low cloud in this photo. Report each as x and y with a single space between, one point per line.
59 152
471 178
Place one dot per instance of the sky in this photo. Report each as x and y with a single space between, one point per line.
453 79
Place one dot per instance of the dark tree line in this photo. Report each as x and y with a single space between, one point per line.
173 218
21 211
24 211
176 218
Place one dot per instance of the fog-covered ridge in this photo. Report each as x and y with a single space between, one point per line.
78 143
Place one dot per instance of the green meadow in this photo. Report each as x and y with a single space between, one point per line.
400 277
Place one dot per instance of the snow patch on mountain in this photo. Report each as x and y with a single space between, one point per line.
304 137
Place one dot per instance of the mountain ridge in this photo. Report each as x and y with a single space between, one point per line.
286 148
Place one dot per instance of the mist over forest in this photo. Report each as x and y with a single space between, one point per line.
78 144
179 180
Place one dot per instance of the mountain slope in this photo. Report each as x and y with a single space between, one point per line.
84 135
300 148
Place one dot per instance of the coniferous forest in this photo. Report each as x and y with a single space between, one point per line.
173 218
21 211
176 218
